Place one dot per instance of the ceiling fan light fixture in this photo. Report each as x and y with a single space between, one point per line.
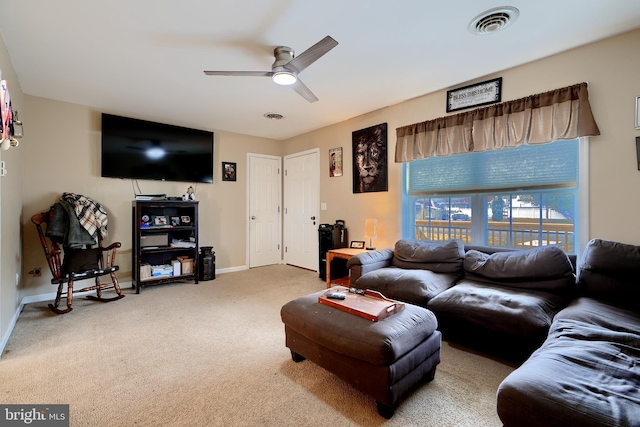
285 78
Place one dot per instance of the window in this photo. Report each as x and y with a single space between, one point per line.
516 197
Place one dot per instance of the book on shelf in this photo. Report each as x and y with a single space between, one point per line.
149 197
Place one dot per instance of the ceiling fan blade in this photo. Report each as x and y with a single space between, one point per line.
240 73
304 91
311 55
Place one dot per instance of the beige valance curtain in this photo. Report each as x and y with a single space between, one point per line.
559 114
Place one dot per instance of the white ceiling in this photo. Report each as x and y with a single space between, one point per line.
145 58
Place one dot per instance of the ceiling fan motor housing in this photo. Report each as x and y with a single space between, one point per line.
283 55
281 74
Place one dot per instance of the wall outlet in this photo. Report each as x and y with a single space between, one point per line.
3 169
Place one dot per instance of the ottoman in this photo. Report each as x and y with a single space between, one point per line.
383 359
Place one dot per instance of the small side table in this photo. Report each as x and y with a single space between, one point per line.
343 253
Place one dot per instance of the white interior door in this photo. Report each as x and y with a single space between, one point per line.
264 210
301 213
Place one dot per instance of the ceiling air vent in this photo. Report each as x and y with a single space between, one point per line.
493 20
273 116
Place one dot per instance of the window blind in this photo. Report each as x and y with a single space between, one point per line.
509 169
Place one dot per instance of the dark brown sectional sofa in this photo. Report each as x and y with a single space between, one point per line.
502 300
587 372
583 329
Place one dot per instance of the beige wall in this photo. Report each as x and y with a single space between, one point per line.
11 206
609 66
64 150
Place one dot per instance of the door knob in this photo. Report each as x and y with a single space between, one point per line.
313 218
253 217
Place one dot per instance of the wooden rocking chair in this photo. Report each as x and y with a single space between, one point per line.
79 264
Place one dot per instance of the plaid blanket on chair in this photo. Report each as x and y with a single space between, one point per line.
91 215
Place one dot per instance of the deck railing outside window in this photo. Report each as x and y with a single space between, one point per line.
516 234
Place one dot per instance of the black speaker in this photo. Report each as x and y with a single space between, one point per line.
325 242
332 237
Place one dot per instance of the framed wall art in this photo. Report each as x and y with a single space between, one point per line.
335 162
475 95
228 171
370 159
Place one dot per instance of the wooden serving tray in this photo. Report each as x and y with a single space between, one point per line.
371 306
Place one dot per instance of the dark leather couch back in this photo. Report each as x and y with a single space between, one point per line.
611 271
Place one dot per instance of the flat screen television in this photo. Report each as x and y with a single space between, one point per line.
139 149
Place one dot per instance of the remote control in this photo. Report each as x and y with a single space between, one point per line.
336 295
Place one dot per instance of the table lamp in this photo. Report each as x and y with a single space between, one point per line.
370 227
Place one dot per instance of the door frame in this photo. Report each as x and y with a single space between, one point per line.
285 197
248 206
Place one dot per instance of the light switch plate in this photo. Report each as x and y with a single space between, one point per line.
323 206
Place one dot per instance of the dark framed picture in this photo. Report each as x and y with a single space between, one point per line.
159 220
357 244
185 220
370 159
175 221
228 171
475 95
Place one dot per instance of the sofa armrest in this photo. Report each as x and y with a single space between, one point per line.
368 261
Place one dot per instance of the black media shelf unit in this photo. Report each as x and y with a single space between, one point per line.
158 214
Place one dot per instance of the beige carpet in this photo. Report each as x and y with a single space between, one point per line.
213 354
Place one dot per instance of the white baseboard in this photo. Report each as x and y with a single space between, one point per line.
231 269
12 324
51 296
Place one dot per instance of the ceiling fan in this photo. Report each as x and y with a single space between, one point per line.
287 66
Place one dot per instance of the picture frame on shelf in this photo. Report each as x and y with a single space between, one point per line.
185 220
160 220
175 221
357 244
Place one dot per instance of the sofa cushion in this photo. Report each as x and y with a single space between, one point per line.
602 314
611 271
583 375
545 267
503 309
445 257
408 285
